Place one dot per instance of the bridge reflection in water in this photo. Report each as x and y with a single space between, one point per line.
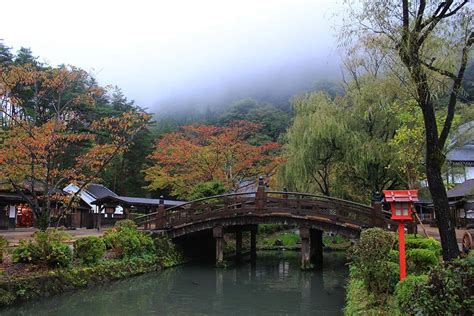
200 225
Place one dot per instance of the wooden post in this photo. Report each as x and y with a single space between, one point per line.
238 245
261 195
305 248
160 220
253 244
219 237
376 211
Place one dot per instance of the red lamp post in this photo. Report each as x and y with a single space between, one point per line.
401 205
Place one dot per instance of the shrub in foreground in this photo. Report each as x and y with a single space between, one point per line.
166 252
370 258
46 248
125 241
3 247
89 249
406 290
421 260
446 290
429 243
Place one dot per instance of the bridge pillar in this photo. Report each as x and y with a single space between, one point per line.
316 243
238 245
253 244
219 237
305 248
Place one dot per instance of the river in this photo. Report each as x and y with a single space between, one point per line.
273 286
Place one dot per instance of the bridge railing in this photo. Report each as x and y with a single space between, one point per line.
271 203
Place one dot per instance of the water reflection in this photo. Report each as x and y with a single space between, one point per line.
273 286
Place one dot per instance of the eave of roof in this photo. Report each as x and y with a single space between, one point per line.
135 201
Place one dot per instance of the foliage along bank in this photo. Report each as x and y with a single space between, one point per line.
122 252
431 287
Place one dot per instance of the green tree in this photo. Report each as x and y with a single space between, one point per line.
315 143
429 43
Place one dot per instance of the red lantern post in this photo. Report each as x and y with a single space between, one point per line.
401 205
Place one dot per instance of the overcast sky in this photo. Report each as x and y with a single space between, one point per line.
156 50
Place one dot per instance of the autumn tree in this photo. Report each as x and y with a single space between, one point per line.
431 41
206 153
48 142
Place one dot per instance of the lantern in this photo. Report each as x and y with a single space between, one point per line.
401 205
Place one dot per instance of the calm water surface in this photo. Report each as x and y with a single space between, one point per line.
274 286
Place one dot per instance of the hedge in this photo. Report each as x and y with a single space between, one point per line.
61 280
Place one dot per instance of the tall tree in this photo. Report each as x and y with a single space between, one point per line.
432 42
47 143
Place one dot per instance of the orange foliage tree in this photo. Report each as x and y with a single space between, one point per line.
205 153
46 142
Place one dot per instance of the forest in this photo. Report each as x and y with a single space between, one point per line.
347 139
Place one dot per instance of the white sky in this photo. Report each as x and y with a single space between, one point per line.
153 49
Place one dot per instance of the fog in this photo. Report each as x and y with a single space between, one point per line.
188 54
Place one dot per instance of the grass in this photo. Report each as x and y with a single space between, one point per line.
289 239
361 302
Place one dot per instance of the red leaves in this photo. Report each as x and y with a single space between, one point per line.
205 152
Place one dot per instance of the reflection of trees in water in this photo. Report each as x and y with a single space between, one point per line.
274 285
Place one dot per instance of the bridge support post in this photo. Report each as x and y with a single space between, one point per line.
219 238
305 248
253 244
238 245
316 243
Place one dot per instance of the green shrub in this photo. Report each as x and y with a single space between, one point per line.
59 281
406 291
3 247
89 249
450 290
394 256
412 242
46 248
206 189
166 252
125 223
127 242
370 258
421 260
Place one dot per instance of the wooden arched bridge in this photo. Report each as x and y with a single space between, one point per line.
239 212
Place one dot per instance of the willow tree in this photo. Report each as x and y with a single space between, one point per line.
315 142
431 41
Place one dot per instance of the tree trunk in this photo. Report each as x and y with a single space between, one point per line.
434 162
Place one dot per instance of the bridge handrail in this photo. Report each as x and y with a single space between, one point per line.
196 201
325 197
362 207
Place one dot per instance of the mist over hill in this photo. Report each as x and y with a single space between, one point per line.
275 84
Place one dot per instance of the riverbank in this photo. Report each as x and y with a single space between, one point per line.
432 287
50 282
49 264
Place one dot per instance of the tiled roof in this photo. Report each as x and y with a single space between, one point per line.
99 191
464 189
136 201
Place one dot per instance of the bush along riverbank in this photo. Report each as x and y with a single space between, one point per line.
431 287
47 265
